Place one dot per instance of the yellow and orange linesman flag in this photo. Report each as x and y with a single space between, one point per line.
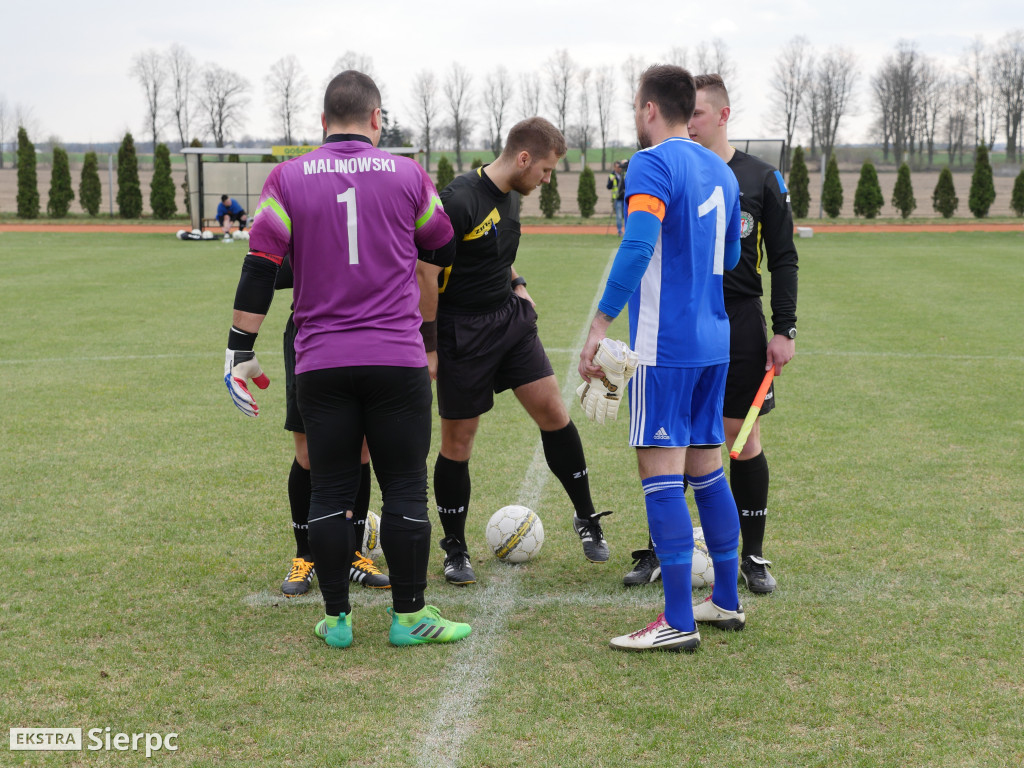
755 409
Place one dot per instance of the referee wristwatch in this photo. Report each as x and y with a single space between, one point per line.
520 280
790 332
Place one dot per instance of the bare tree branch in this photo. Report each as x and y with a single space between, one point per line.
424 88
222 99
561 72
497 97
456 92
530 90
288 92
148 69
1007 72
181 69
604 93
791 79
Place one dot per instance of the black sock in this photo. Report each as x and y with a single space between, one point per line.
564 453
362 505
299 491
451 492
406 545
749 481
329 538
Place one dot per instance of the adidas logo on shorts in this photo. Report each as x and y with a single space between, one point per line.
661 434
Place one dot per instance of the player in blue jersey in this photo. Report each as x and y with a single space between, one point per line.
682 233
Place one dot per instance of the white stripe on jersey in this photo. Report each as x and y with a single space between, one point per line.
637 414
649 317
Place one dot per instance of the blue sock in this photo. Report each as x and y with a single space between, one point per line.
721 523
672 533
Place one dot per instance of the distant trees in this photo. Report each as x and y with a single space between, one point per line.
149 70
181 73
1017 196
28 191
497 101
791 78
903 192
61 192
1007 72
459 101
604 98
129 191
867 200
983 189
799 185
586 193
561 74
161 190
90 193
287 89
830 97
832 191
445 173
550 200
223 98
944 199
425 108
5 126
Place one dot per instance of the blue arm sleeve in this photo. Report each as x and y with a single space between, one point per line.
732 253
635 251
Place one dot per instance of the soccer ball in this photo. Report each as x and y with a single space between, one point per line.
702 569
515 534
371 536
180 234
207 234
242 235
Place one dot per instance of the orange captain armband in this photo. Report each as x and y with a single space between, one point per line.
647 203
269 256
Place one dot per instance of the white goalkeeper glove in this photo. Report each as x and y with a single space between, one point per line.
239 366
600 397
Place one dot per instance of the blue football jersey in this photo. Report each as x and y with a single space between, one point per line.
677 315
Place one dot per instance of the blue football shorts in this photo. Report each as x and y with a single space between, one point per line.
677 407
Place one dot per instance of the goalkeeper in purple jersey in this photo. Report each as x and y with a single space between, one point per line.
367 238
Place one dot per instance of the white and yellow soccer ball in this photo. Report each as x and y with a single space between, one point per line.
702 569
371 536
515 534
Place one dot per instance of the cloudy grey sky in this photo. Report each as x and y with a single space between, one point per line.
70 65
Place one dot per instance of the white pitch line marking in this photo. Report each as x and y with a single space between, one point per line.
474 659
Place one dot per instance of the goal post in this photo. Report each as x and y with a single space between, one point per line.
209 175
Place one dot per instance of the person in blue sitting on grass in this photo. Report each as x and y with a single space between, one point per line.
229 210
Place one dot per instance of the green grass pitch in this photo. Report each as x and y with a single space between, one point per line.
145 534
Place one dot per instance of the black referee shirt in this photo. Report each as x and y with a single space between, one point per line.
767 230
486 223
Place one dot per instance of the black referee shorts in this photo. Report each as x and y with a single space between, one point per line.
482 354
748 353
292 417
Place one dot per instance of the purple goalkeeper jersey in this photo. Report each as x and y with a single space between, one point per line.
351 217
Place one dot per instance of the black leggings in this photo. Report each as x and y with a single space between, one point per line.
391 406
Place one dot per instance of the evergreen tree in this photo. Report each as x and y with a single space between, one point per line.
161 191
799 185
903 193
28 184
868 200
129 191
477 163
586 193
90 193
1017 197
832 194
550 200
983 189
445 173
61 191
944 199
